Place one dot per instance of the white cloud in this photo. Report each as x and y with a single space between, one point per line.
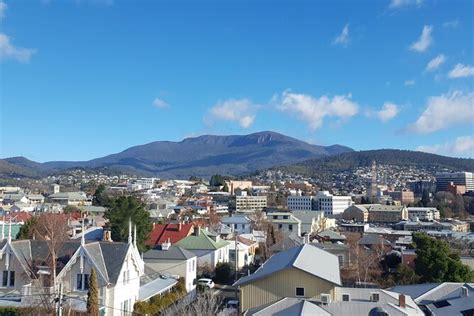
451 24
3 8
424 41
313 110
241 111
396 4
460 71
409 82
446 110
159 103
388 111
462 147
435 62
8 50
343 38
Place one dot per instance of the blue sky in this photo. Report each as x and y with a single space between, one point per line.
82 79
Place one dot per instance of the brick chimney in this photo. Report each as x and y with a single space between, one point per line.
402 301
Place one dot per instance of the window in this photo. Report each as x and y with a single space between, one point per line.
82 282
285 216
290 227
341 260
345 297
8 279
126 277
280 226
125 307
375 297
300 291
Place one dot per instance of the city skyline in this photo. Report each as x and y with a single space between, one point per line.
84 79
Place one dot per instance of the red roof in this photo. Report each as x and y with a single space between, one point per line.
18 217
174 232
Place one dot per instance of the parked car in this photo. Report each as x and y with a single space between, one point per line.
208 283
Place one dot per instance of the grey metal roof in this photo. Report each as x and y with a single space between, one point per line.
413 290
361 304
114 256
288 306
155 287
303 258
238 219
173 253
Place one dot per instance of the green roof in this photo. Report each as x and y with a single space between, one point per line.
203 241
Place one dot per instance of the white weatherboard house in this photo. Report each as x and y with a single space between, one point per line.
25 273
209 248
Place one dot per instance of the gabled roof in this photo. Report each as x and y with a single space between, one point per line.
373 239
108 257
161 233
288 306
201 242
238 219
303 258
246 241
331 235
173 253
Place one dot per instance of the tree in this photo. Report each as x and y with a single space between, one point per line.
406 275
216 180
435 262
93 295
100 198
225 188
205 304
27 230
124 209
223 273
425 198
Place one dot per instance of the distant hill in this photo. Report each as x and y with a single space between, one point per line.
199 156
350 160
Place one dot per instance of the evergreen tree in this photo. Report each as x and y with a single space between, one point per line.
436 262
27 230
93 296
100 198
226 187
123 209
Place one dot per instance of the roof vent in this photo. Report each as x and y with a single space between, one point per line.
166 245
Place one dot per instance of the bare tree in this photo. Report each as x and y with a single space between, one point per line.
205 304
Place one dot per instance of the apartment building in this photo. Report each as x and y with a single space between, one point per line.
322 201
387 213
423 214
247 203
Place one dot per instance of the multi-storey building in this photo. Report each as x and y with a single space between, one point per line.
323 201
332 204
423 213
457 178
301 202
387 213
250 203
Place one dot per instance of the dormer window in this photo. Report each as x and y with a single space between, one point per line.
82 282
8 279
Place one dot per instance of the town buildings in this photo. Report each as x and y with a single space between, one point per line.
458 178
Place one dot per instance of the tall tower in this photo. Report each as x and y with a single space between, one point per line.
372 191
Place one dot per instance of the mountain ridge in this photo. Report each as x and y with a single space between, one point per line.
201 156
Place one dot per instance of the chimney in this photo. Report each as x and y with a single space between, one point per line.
402 301
464 291
107 235
153 226
180 226
166 245
197 231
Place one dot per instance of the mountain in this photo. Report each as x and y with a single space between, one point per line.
326 166
199 156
